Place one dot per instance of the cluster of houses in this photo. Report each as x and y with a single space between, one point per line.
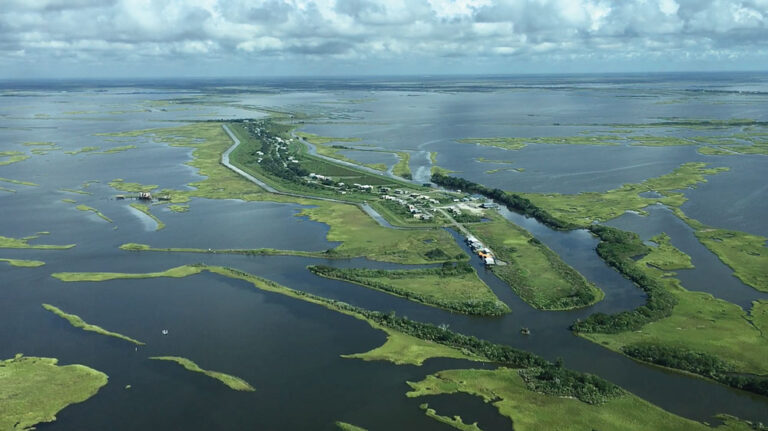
482 251
418 213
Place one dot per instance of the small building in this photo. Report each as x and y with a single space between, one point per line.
146 196
489 261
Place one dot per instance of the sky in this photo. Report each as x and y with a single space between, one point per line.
252 38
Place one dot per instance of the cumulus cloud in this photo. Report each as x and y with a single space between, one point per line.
381 31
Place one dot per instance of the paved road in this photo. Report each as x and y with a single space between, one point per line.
365 207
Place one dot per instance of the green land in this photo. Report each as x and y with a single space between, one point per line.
233 382
93 210
535 273
33 390
699 322
145 209
455 288
506 390
361 235
77 322
585 208
23 262
6 242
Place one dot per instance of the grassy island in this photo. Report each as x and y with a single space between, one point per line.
77 322
452 287
6 242
24 263
33 390
535 273
233 382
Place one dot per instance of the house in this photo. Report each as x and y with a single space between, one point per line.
489 261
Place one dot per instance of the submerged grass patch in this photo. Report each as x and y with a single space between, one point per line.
10 157
19 182
82 150
505 389
454 422
24 263
145 209
93 210
343 426
33 390
77 322
231 381
534 272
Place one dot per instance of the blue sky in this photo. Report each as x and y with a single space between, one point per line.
165 38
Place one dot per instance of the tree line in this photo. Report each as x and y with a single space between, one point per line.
703 364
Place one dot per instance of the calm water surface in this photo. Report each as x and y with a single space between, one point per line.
290 350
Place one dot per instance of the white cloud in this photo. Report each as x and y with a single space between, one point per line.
409 31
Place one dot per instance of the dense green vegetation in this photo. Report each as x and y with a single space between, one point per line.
699 322
513 201
619 248
233 382
506 390
700 363
33 390
77 322
453 287
533 271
